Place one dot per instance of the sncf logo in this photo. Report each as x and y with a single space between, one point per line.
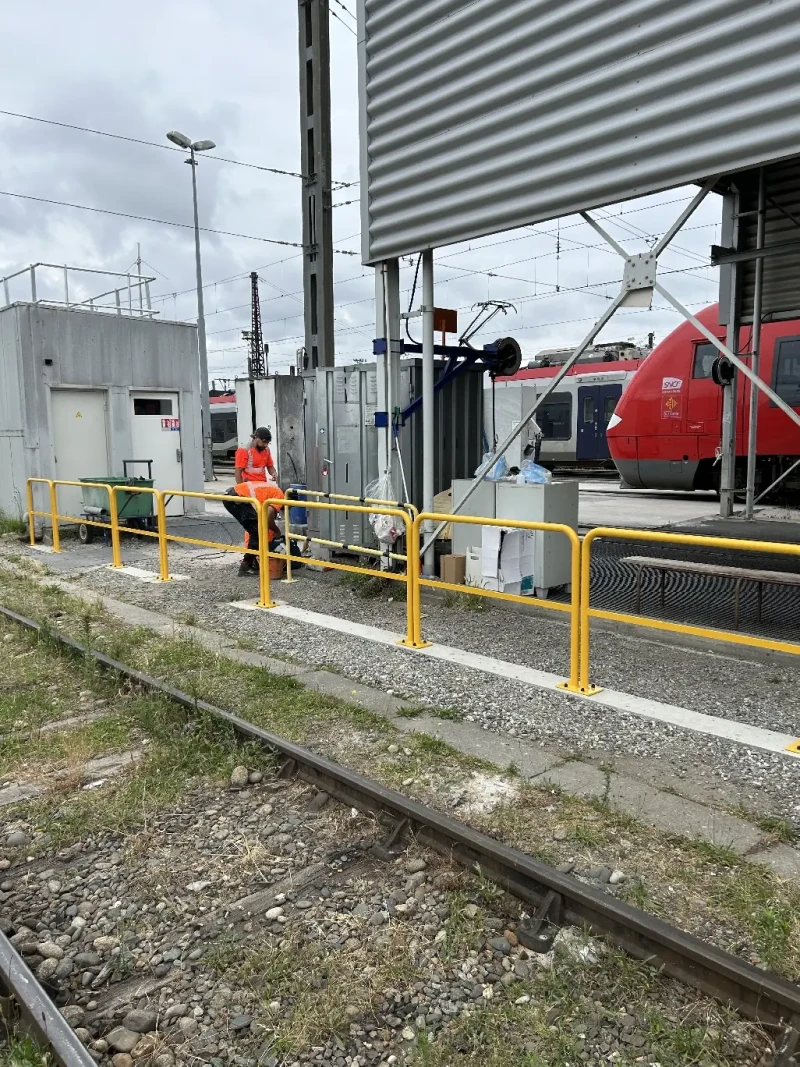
671 385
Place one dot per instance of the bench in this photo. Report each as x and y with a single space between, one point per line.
711 570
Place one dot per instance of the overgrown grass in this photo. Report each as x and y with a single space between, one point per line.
466 601
24 1052
9 524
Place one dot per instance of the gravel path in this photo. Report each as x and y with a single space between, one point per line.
556 720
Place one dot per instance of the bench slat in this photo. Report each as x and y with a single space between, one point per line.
714 570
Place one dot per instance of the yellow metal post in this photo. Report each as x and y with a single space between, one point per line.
413 638
574 684
287 531
54 516
586 575
265 589
163 557
31 516
116 554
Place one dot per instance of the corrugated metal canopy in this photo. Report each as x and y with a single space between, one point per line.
481 115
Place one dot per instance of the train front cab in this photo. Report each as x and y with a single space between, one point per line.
667 427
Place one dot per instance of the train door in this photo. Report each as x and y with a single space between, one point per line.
596 405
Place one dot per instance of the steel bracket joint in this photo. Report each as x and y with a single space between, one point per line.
392 846
533 934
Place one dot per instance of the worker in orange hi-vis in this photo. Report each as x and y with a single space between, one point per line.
256 477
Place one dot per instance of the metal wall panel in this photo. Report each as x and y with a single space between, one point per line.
480 116
780 294
342 442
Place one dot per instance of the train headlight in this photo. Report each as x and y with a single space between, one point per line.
615 420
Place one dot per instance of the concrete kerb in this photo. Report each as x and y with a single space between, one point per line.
665 811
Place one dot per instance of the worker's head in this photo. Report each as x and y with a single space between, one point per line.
262 438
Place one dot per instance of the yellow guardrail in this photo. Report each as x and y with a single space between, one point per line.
579 608
653 537
572 683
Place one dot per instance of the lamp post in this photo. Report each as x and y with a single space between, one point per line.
182 141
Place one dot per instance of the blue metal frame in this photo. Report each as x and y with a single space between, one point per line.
459 357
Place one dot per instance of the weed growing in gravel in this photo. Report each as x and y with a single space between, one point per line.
367 586
466 601
450 714
318 1000
410 713
22 1052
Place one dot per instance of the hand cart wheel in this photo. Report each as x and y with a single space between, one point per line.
85 534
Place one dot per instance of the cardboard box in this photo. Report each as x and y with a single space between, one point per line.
453 569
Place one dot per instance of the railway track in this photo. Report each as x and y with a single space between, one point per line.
553 898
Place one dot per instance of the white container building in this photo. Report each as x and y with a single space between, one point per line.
82 391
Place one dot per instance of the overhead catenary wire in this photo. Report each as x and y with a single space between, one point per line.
164 147
163 222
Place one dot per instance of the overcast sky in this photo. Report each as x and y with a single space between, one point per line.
228 71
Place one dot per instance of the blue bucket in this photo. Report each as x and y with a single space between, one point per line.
298 516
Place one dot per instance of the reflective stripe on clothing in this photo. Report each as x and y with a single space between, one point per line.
259 490
254 464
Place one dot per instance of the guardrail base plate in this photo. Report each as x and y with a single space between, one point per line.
584 691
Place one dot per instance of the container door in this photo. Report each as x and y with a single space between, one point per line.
80 442
156 435
609 397
589 414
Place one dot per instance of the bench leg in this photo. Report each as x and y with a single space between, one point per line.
736 601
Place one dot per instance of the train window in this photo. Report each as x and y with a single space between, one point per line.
704 356
217 429
608 408
787 371
588 409
555 417
231 427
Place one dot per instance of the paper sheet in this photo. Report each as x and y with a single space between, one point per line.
490 553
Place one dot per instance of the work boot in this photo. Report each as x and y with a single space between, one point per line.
246 566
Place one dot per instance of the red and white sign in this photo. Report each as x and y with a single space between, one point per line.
170 424
671 398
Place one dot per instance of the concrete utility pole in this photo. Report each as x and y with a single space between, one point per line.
315 141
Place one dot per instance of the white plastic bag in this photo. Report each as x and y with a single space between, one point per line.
387 528
498 471
531 473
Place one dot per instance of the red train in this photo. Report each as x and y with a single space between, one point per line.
666 430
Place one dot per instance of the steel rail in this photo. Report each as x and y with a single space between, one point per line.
37 1014
759 995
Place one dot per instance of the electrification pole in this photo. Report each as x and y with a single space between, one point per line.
315 141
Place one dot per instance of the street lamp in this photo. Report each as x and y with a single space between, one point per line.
182 141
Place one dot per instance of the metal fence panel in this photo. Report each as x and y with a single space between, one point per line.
480 116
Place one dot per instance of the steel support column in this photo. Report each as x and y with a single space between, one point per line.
730 280
382 367
315 154
752 443
393 356
428 413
